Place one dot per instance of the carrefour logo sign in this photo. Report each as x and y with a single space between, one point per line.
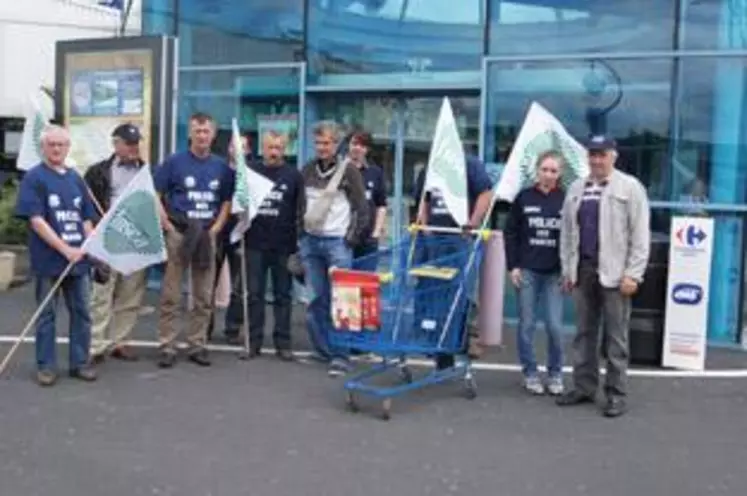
691 236
687 294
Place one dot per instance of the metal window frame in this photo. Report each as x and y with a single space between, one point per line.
658 54
299 67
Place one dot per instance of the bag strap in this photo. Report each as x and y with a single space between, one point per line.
336 179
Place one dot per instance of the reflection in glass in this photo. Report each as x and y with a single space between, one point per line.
260 99
562 26
713 24
240 32
159 17
413 42
627 99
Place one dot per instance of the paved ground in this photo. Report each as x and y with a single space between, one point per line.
264 428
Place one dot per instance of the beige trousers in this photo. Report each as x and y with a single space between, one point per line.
114 309
171 297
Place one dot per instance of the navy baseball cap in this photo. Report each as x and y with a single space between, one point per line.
129 133
600 143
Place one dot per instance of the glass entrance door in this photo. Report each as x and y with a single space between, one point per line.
262 97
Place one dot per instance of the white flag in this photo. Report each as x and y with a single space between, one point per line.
447 171
541 132
250 191
36 120
129 237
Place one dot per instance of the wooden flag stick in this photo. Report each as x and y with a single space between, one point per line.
244 300
35 317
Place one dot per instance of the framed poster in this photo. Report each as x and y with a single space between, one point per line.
102 83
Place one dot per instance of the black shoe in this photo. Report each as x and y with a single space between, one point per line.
285 355
255 352
614 407
444 362
167 359
85 373
200 358
232 339
573 398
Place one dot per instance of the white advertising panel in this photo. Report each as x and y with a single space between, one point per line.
686 318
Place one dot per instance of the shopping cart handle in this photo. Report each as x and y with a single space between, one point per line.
484 233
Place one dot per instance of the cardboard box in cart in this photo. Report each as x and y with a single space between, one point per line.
356 300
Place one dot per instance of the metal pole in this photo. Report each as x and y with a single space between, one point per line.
125 16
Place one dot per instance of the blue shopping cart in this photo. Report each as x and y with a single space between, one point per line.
422 303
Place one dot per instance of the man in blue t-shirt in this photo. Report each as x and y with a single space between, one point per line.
366 252
195 188
271 239
433 212
55 201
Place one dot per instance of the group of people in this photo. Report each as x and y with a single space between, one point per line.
329 213
592 239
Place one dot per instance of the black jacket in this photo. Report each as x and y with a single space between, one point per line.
98 177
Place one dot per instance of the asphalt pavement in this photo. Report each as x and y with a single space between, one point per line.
267 428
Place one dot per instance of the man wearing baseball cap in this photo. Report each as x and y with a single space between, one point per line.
604 249
115 300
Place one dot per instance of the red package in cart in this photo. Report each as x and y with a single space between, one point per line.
356 300
371 300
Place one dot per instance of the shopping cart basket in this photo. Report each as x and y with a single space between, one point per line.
415 305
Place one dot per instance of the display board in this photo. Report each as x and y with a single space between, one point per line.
102 83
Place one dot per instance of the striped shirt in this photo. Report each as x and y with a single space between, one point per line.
588 221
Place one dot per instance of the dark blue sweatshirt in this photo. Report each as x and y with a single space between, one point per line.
275 228
532 234
373 180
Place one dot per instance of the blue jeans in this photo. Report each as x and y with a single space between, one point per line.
366 256
318 254
75 290
540 289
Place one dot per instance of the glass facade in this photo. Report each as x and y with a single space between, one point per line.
403 42
666 78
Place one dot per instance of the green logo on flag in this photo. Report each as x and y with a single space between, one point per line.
454 178
134 228
546 141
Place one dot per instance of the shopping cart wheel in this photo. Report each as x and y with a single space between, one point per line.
470 387
386 409
351 403
405 373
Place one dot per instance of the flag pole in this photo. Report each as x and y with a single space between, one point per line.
244 355
35 317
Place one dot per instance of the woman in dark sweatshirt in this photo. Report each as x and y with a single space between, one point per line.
532 238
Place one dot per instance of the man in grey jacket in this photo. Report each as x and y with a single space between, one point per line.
604 249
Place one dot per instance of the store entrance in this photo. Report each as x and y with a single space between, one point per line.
402 128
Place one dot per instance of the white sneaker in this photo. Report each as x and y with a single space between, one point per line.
534 385
555 386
